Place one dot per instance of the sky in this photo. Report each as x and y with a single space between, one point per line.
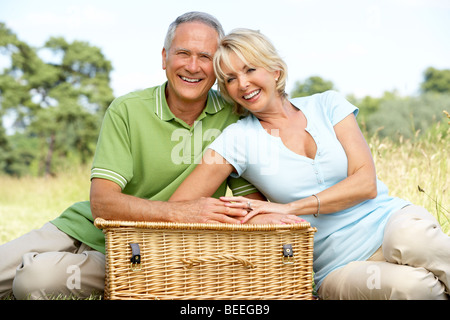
365 47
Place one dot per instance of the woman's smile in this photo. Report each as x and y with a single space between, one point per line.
254 94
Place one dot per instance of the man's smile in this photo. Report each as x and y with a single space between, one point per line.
190 80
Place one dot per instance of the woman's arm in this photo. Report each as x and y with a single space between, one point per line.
360 184
205 179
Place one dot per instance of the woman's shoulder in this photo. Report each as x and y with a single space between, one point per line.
325 96
327 103
241 130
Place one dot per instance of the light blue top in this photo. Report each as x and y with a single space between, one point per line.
283 176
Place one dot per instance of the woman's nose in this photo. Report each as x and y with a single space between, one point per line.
243 82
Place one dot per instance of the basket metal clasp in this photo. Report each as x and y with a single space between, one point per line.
288 254
135 257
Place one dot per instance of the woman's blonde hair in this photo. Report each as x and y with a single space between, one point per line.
255 50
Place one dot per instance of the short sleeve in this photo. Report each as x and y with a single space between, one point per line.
337 107
240 186
113 160
230 144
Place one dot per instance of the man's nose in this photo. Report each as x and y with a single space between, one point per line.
193 66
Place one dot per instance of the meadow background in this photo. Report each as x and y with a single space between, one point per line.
405 165
27 203
62 63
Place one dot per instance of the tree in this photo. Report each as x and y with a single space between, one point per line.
408 117
60 101
4 146
311 85
436 80
369 105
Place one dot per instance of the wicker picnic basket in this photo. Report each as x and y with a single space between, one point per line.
146 260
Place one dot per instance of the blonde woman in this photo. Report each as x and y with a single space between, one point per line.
309 158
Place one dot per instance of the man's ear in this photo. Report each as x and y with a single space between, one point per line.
164 56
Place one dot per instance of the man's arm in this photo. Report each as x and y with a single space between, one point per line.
108 202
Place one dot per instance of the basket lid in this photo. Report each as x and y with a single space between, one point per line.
105 224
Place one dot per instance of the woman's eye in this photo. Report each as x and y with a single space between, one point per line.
251 70
229 80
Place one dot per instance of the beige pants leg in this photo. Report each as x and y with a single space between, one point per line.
46 262
414 263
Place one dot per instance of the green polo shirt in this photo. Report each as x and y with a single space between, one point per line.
148 152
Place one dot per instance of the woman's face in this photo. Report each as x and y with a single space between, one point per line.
254 88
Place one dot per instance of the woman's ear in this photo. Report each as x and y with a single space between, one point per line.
277 75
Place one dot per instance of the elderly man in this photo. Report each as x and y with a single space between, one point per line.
149 142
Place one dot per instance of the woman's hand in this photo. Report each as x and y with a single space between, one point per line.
275 218
255 207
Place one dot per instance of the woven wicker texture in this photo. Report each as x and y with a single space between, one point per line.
207 261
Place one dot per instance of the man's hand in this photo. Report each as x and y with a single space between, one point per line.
204 210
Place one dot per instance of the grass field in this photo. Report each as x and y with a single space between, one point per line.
418 171
27 203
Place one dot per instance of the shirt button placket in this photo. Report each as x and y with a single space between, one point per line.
316 168
315 163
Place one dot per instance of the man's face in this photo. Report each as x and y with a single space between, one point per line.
188 63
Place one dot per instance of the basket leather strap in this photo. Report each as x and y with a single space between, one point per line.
135 253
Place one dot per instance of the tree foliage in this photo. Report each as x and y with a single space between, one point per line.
369 105
408 117
436 80
56 96
311 85
392 115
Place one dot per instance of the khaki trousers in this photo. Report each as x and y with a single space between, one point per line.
412 263
47 263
